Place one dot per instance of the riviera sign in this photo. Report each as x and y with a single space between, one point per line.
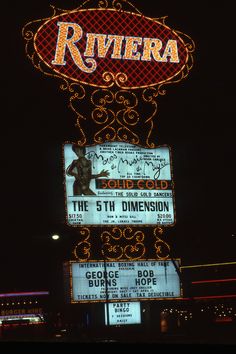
150 47
86 45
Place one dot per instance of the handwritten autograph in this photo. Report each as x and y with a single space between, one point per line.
139 163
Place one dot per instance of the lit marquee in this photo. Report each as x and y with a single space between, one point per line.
84 45
150 47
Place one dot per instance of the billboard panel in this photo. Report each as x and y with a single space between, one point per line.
118 183
124 280
123 313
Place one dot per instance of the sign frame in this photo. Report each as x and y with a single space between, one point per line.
123 224
111 315
68 277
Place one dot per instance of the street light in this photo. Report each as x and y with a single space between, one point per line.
55 237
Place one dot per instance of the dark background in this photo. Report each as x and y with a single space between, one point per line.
195 118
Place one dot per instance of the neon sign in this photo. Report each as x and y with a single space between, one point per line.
84 45
127 60
151 47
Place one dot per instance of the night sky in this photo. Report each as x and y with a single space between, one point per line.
195 118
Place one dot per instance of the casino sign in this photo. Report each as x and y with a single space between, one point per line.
90 46
114 62
118 58
94 46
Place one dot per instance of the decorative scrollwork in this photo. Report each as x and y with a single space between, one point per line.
190 45
101 115
112 252
136 251
119 79
115 235
126 98
82 250
128 117
28 35
108 77
128 234
114 244
103 4
126 135
100 98
105 134
188 41
162 247
121 125
149 96
118 5
75 88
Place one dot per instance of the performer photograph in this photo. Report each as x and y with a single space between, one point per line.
81 170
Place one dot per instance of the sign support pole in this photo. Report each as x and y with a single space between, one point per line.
106 290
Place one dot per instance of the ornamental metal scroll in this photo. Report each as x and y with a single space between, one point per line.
82 250
162 248
128 70
116 244
114 249
125 123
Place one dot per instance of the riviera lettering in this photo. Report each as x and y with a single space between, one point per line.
135 48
